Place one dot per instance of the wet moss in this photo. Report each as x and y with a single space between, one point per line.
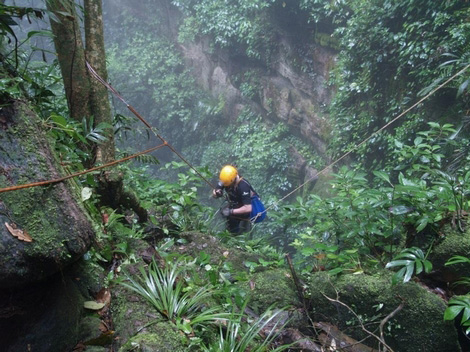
131 314
454 243
52 215
270 288
166 339
139 327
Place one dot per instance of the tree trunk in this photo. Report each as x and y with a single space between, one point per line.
71 56
88 98
96 56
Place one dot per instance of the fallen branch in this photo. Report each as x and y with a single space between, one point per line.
339 341
300 341
388 317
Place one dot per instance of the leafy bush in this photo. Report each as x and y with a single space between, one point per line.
230 23
372 220
176 201
390 52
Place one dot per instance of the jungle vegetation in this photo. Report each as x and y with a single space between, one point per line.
385 206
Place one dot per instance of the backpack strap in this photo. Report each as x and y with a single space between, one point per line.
251 187
238 182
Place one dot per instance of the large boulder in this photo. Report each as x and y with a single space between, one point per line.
418 326
453 244
51 215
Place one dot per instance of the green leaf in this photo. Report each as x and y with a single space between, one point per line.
40 33
93 305
419 267
465 315
451 312
409 272
335 271
427 266
59 120
397 263
382 175
456 259
86 193
423 222
400 210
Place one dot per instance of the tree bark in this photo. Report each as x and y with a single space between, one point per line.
87 97
96 56
71 56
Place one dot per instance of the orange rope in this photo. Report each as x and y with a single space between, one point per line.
57 180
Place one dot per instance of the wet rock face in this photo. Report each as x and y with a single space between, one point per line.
51 215
286 93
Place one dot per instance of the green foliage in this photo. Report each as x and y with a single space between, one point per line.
238 336
459 305
367 221
164 288
458 259
355 222
230 24
412 262
390 51
8 16
159 74
177 201
70 135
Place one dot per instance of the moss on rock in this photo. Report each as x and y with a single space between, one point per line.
419 326
165 339
270 288
454 243
131 313
51 215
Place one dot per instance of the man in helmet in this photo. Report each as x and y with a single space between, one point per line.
239 193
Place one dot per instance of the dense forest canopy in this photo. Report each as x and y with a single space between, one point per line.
313 100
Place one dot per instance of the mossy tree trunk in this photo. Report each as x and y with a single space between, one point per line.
71 56
96 56
86 97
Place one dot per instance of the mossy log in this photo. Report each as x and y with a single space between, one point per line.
419 326
51 215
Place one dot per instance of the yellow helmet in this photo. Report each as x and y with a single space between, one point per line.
228 174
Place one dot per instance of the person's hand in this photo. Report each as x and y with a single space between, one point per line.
217 193
226 212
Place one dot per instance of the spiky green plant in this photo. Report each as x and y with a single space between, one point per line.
163 288
238 336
